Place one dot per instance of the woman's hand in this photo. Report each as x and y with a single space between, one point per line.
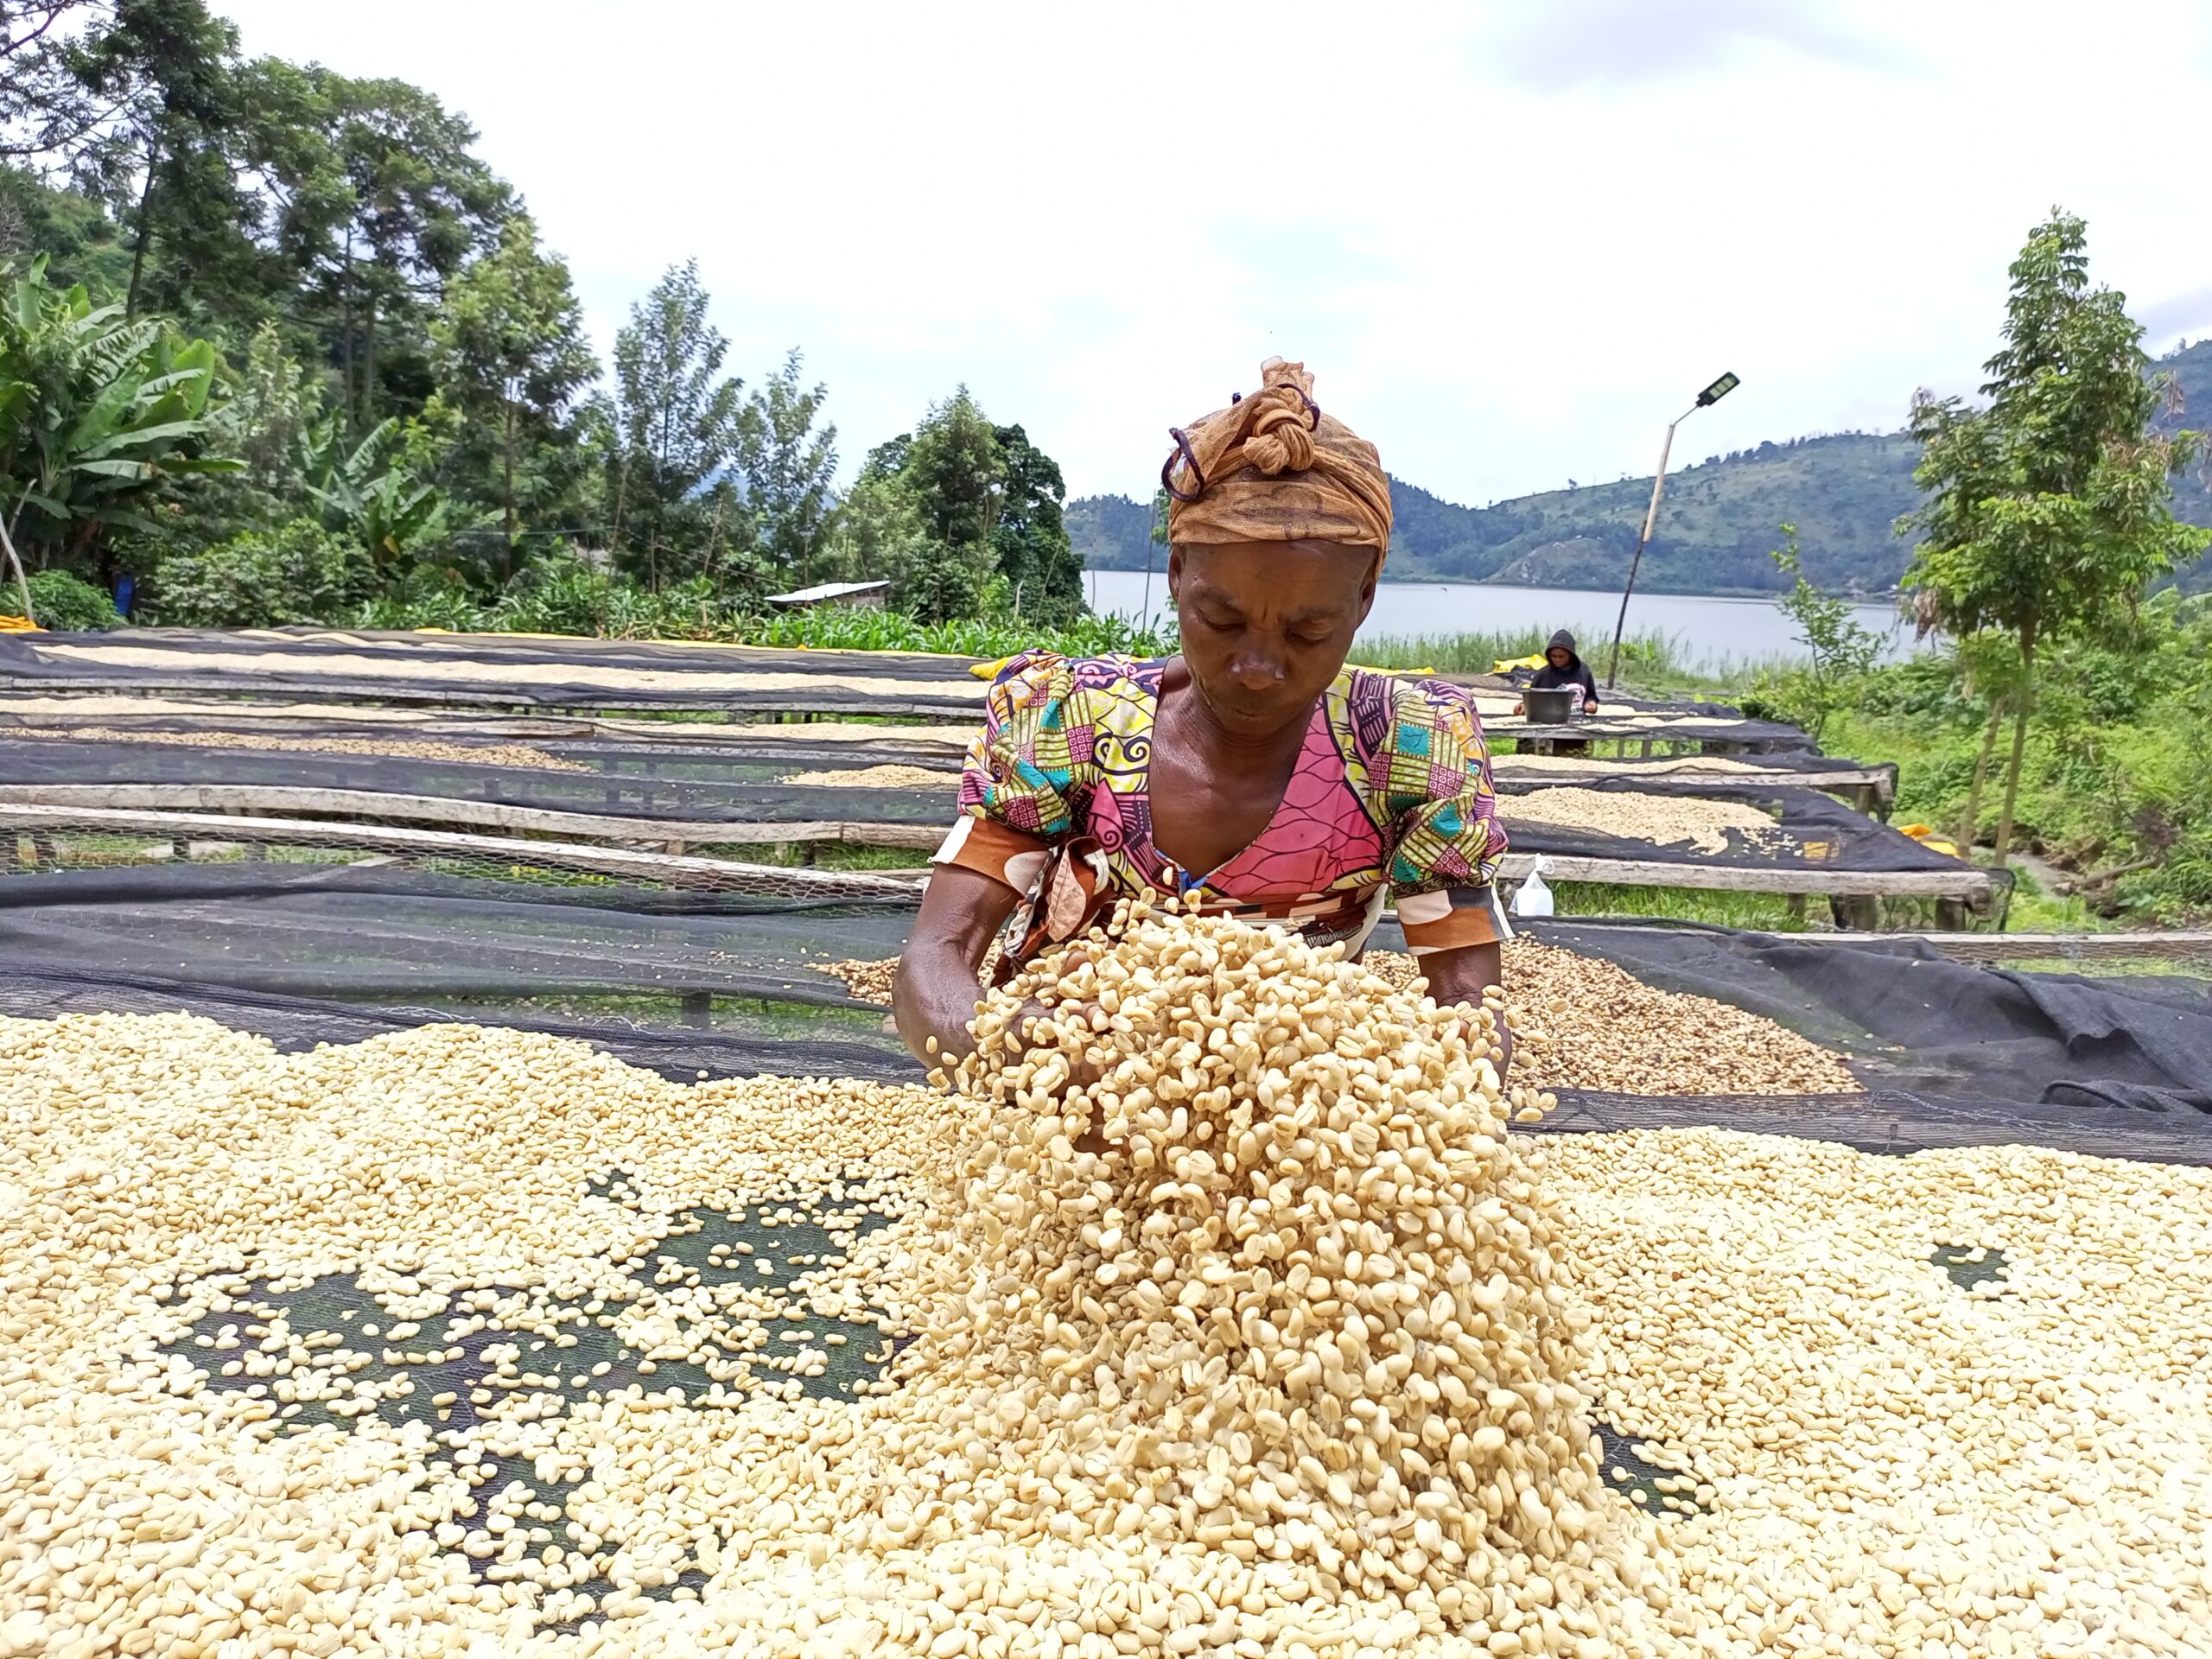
935 993
1064 1017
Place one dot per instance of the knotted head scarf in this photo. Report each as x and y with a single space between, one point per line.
1273 467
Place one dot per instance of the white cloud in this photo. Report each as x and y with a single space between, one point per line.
1511 250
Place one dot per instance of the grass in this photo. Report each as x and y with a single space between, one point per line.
2034 911
2193 967
837 856
1757 912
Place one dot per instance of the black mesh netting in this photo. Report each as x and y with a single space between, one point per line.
684 981
1913 1019
371 930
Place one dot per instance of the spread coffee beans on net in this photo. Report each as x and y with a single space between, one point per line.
1662 820
1312 1360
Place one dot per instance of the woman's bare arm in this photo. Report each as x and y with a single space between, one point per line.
934 993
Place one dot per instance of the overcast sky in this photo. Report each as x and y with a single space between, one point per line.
1511 240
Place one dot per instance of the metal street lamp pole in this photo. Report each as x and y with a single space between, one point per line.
1151 531
1712 394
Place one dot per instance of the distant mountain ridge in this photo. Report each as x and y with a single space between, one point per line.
1716 524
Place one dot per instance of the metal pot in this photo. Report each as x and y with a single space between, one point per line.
1552 706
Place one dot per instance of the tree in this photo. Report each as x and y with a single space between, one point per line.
369 202
942 563
164 68
1031 539
964 517
2049 507
676 421
953 465
266 416
97 416
876 526
512 359
423 206
374 492
1842 652
44 105
790 469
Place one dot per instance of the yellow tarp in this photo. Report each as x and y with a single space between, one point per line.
1927 838
1534 660
19 625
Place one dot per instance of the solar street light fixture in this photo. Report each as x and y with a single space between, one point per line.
1711 395
1720 388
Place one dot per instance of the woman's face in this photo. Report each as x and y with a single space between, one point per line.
1556 657
1268 624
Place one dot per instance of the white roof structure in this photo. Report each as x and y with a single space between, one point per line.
826 590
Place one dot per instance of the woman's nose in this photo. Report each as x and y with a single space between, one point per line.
1257 671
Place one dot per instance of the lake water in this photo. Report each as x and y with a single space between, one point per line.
1710 631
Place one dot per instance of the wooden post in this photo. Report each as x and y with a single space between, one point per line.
698 1009
1951 915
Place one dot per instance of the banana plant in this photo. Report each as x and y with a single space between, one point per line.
371 493
98 413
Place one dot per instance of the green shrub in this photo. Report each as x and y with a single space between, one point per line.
429 598
560 594
68 604
301 572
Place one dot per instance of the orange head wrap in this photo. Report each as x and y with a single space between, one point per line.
1273 467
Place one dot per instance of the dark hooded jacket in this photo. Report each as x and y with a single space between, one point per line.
1577 672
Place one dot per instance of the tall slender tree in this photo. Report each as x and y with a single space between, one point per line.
2050 507
790 467
513 360
1030 538
678 420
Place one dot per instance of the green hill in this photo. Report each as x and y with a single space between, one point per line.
1719 518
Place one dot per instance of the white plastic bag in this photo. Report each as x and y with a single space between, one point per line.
1534 899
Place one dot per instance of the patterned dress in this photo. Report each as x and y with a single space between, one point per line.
1390 795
